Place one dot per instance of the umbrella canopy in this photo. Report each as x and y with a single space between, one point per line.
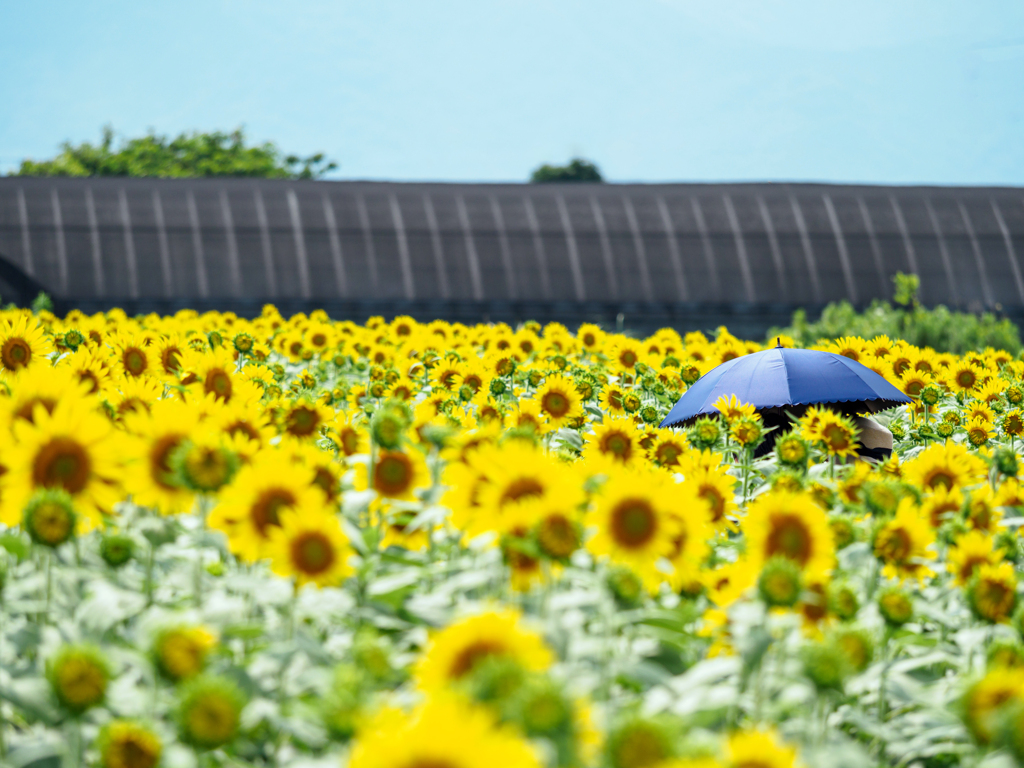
781 377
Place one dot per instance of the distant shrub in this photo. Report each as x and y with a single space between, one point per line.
576 170
939 328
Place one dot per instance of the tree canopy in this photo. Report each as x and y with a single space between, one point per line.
187 155
578 169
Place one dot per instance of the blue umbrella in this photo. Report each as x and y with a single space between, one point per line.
781 378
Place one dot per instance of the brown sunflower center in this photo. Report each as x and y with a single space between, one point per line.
170 359
715 500
893 545
62 463
266 510
940 476
555 403
312 553
51 523
218 383
160 459
15 353
837 437
472 655
393 474
790 538
633 523
302 421
557 536
521 488
326 482
135 361
349 441
25 412
132 752
244 428
668 454
966 379
617 444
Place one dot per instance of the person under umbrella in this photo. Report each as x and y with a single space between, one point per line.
781 383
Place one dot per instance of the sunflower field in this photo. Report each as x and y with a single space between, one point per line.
305 543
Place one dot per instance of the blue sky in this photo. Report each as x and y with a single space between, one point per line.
927 91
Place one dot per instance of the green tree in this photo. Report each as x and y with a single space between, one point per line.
577 170
187 155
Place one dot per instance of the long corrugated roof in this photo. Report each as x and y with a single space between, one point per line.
129 241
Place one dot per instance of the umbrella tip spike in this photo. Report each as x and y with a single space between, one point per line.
778 341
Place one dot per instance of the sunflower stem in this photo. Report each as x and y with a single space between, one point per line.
74 743
3 614
197 585
150 563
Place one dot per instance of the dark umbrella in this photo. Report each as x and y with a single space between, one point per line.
782 378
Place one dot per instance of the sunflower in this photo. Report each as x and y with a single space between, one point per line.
636 522
948 465
125 744
74 449
984 699
304 418
591 337
990 391
758 749
880 346
611 400
667 447
517 472
395 475
790 525
983 512
154 436
617 440
747 431
559 401
444 732
169 351
902 544
397 532
993 592
732 408
252 505
942 505
180 652
133 357
22 342
39 385
349 438
979 432
690 540
838 434
729 582
712 484
964 376
809 422
1013 423
310 546
134 395
91 367
456 650
625 353
978 409
471 374
212 372
973 549
247 426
